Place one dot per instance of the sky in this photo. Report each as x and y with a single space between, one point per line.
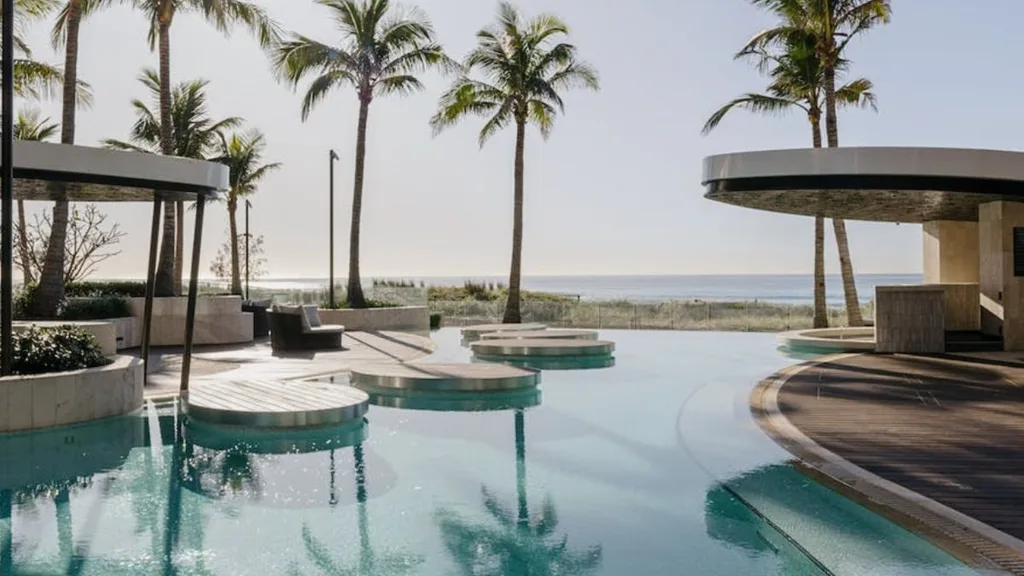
615 190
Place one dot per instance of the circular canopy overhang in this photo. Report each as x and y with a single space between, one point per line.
46 171
874 184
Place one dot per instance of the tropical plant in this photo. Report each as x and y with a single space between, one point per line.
193 133
74 92
797 82
223 14
524 69
243 154
29 126
832 24
382 47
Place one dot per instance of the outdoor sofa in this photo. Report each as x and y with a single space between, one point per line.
300 328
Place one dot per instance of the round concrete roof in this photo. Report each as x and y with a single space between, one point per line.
876 184
45 171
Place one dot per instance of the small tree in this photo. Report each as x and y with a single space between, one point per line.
221 265
88 242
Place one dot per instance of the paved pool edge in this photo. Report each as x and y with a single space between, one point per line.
969 540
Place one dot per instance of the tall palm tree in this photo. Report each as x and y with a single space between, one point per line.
525 68
382 47
64 34
29 126
797 82
243 154
32 79
223 14
832 24
193 133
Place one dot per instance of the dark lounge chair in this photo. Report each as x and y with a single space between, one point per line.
299 328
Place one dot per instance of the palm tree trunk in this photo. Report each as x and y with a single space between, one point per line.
50 293
355 287
165 267
236 277
179 245
512 308
23 258
853 315
820 303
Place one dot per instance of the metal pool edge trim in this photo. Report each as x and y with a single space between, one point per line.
969 540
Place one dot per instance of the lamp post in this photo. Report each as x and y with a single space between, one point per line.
247 206
7 189
330 286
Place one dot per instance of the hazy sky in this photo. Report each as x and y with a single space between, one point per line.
616 190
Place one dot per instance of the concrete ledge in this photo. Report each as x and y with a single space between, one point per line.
410 318
178 305
103 331
831 339
61 398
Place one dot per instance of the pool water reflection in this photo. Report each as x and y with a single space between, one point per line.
653 466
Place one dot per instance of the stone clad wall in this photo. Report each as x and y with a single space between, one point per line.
62 398
909 319
408 318
219 320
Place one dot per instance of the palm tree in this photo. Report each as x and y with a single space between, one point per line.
29 126
193 133
524 69
832 24
32 79
797 83
382 48
223 14
64 34
242 153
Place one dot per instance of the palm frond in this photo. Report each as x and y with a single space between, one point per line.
401 85
759 103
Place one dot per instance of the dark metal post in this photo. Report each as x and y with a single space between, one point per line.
330 287
7 192
193 289
247 240
147 315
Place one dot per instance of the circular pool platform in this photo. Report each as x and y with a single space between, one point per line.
444 377
475 332
540 347
541 334
268 404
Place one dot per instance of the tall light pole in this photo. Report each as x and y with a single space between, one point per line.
7 189
247 206
330 286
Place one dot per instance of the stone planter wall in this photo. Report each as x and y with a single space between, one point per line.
219 320
403 318
103 331
62 398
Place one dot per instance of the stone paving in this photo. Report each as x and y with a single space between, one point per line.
257 361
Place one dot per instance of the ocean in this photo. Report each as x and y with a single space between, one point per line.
787 289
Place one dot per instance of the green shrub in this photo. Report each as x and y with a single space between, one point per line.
59 349
122 288
370 303
21 300
435 321
98 308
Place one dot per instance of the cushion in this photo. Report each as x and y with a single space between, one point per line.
310 318
327 329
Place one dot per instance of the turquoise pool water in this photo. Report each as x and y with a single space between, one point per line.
651 466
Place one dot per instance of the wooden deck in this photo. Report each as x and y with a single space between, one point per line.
275 404
951 431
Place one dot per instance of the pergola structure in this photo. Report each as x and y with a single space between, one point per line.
970 203
51 172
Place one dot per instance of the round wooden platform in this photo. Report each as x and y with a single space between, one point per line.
275 404
475 332
541 334
542 347
444 377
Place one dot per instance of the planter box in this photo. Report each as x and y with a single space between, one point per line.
403 318
219 320
103 331
61 398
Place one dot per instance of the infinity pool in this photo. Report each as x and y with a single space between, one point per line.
652 466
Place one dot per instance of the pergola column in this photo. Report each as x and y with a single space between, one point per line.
951 252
